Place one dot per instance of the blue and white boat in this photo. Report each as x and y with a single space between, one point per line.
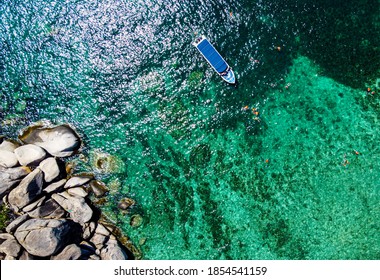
215 59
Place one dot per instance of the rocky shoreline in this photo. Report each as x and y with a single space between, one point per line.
54 218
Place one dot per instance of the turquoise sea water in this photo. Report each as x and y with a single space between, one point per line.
211 178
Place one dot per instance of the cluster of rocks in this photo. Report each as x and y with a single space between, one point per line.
55 219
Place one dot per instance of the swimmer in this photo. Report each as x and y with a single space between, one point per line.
345 161
254 111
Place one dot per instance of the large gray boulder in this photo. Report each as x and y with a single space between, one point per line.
27 191
76 206
50 169
30 154
43 237
8 159
10 177
60 141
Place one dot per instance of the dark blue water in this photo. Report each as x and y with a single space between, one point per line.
282 167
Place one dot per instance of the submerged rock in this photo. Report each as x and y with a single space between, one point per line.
125 203
105 163
28 190
136 220
30 154
60 141
98 188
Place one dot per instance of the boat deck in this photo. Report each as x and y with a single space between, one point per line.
212 56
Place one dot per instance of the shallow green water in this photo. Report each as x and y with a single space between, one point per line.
210 180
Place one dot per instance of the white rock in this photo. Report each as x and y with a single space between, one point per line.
77 181
30 154
78 191
8 159
55 186
100 229
8 146
50 168
11 174
60 141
